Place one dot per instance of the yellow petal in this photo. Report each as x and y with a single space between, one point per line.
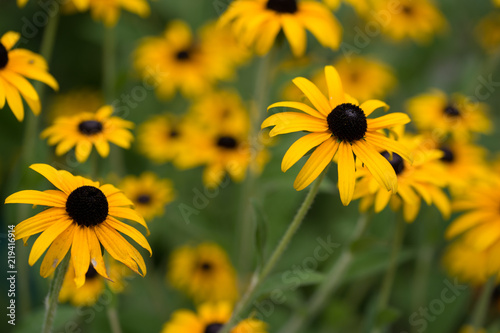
300 147
80 255
369 106
346 171
295 34
9 39
57 251
39 222
467 221
314 95
83 149
95 253
57 178
37 198
382 199
299 106
129 231
379 140
288 122
14 100
129 214
46 238
388 121
335 89
266 40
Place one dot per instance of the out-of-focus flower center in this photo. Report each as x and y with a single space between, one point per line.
397 162
173 133
4 56
87 206
90 127
144 199
448 156
407 10
213 328
183 55
206 266
282 6
451 111
227 142
347 122
91 273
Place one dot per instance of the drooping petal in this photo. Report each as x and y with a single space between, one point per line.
95 253
369 106
46 238
39 222
129 214
300 147
467 221
295 33
57 251
382 198
383 142
346 171
80 255
129 231
14 100
83 149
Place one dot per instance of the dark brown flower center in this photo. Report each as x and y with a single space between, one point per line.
282 6
173 133
4 56
144 199
407 10
91 273
206 266
451 111
183 55
347 122
227 142
448 156
90 127
397 162
87 206
213 328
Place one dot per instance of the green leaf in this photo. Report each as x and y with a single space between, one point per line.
261 223
290 281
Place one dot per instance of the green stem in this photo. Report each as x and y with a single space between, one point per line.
114 322
276 255
332 281
109 65
482 305
53 296
391 271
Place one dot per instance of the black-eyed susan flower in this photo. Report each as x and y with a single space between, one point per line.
86 129
149 193
423 179
210 318
258 22
488 32
94 285
177 60
108 11
204 272
418 20
456 115
82 217
15 66
75 102
337 125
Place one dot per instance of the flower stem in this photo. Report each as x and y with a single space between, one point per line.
481 308
114 322
391 270
108 64
275 256
53 296
329 285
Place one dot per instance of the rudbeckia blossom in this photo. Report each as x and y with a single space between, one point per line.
86 129
108 11
424 179
94 286
456 115
15 66
82 217
210 318
177 60
418 20
149 194
203 272
337 125
258 22
488 32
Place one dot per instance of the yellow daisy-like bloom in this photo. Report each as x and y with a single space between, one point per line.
418 20
337 125
258 22
178 60
81 217
94 286
488 32
456 116
203 272
148 193
210 318
86 129
75 102
108 11
421 180
15 66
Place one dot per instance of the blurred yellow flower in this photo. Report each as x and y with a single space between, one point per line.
210 318
360 6
204 272
338 125
177 60
418 20
442 115
424 179
86 129
149 194
15 66
258 22
74 102
488 32
95 284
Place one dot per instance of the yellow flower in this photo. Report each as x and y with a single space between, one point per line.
148 193
203 272
418 20
337 125
15 66
86 129
94 286
258 22
81 217
210 318
456 116
177 60
421 180
74 102
108 11
488 32
470 329
21 3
